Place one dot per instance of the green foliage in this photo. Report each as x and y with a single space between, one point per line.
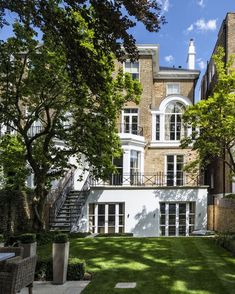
115 235
213 120
1 238
61 238
37 89
12 162
27 238
44 269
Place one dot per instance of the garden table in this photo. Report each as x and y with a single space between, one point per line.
6 255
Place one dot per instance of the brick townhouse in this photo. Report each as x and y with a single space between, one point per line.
151 195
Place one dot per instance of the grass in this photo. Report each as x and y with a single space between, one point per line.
158 265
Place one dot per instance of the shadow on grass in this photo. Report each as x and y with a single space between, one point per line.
158 265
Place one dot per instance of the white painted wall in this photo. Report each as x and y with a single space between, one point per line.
142 206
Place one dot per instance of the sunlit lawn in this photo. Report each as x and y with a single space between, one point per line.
157 265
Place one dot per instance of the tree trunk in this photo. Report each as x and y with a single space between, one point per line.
39 207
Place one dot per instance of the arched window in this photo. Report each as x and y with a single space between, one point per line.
174 127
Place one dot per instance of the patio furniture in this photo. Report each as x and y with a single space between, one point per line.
16 274
17 250
4 256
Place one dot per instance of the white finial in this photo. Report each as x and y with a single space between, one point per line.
191 55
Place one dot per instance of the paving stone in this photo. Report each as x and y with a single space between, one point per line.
125 285
71 287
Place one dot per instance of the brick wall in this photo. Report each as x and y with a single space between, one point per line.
14 207
221 216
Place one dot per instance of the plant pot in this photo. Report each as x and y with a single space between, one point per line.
1 244
60 262
30 249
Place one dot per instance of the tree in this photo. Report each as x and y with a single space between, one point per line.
107 21
213 120
40 103
66 82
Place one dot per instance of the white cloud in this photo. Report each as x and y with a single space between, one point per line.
169 58
204 26
165 5
201 63
190 28
201 3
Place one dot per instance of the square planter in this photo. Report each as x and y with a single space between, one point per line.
60 262
30 249
1 244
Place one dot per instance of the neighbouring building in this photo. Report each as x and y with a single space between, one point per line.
217 175
151 195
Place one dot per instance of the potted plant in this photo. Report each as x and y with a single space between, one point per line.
60 254
1 240
28 242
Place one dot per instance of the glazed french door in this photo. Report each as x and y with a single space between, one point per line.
177 219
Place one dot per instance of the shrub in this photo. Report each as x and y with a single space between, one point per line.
115 235
61 238
76 269
78 235
27 238
44 269
46 237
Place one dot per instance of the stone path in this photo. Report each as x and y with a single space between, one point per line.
71 287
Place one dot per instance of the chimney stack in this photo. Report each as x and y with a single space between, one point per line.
191 55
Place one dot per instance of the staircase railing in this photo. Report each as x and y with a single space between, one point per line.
58 196
75 211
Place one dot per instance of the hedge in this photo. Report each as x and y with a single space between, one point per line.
44 269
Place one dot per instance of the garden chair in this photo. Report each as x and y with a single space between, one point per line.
16 274
17 250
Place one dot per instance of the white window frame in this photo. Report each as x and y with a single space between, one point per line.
125 71
175 168
187 214
106 225
172 84
162 142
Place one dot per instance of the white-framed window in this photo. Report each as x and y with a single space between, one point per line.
132 68
172 88
130 121
177 218
175 129
174 170
106 218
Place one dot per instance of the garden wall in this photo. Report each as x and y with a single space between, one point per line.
15 212
221 216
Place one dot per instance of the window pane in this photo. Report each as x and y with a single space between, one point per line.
111 221
163 219
163 208
111 208
91 208
101 208
121 208
182 219
101 220
171 219
157 127
182 230
111 230
121 220
172 231
172 208
163 231
192 207
182 208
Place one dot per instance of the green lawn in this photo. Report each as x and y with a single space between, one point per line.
158 265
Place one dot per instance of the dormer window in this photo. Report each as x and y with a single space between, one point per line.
133 68
172 89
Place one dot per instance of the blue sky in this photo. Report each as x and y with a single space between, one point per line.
197 19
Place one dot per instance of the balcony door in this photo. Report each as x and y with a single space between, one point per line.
174 170
130 121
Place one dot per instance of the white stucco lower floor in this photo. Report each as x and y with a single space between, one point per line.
145 211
